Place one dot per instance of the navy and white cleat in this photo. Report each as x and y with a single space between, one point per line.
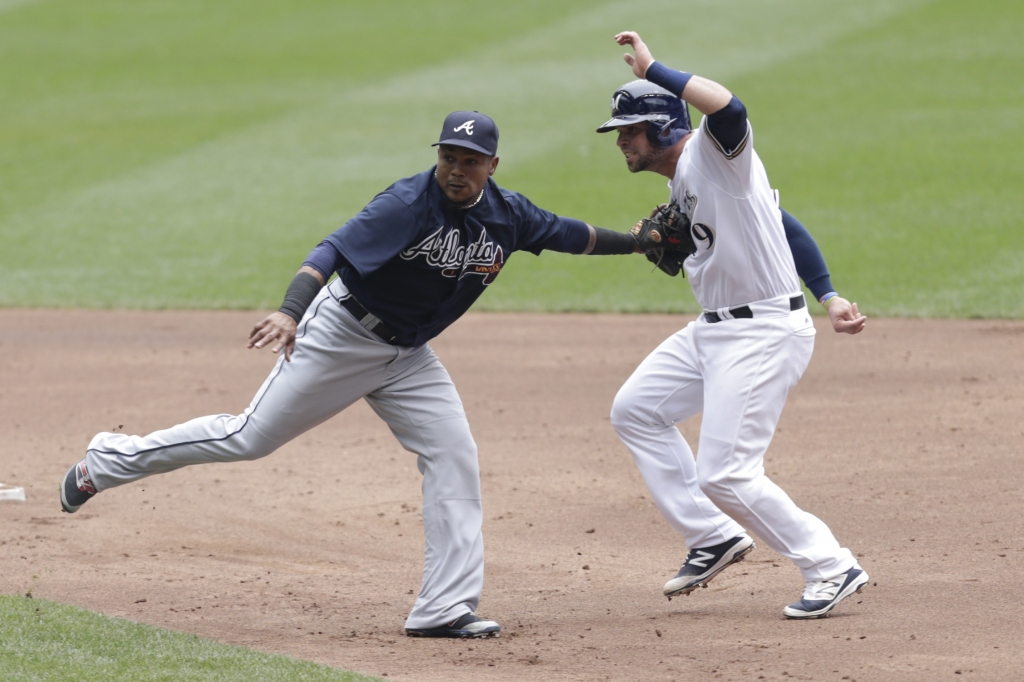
76 488
705 563
821 596
465 627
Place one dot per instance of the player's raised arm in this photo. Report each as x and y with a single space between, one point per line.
705 95
725 117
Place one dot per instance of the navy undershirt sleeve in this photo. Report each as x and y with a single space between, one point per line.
728 127
325 259
810 263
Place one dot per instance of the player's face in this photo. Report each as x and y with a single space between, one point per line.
462 172
639 151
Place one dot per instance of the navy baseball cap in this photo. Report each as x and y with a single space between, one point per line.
472 130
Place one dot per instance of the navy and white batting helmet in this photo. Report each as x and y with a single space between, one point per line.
642 100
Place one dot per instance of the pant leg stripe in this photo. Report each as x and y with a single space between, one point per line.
277 372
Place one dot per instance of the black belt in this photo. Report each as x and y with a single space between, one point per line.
382 330
795 303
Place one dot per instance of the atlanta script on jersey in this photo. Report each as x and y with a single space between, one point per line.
442 249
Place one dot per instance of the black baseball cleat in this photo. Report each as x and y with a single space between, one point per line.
76 488
465 627
705 563
821 596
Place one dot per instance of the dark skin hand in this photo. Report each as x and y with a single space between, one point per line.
462 172
278 328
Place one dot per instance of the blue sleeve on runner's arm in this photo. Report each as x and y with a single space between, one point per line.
810 263
728 127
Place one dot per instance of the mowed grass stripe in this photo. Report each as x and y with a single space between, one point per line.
95 89
42 641
223 221
900 161
892 144
7 5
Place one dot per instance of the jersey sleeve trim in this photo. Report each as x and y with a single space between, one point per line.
729 129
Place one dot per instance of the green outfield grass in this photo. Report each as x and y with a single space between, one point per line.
42 641
189 154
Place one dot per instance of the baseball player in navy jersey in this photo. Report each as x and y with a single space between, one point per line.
737 361
409 264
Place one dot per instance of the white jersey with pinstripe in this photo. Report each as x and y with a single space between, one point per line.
742 253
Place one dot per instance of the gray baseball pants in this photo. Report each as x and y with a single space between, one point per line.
335 362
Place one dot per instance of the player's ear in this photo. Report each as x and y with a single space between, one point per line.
494 165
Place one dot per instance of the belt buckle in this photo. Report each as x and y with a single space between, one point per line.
369 321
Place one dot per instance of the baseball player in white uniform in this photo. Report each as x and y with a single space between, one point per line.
737 362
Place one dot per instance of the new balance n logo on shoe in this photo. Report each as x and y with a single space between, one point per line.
825 590
702 559
704 564
821 596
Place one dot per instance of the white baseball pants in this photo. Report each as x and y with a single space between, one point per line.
336 362
738 372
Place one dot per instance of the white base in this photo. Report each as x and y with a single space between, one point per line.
11 493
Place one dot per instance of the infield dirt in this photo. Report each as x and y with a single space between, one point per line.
906 440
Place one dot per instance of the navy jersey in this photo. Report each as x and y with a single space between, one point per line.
418 262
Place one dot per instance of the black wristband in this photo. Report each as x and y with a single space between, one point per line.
300 294
612 243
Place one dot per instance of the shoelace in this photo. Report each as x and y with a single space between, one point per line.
816 590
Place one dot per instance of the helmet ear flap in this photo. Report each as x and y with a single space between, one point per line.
663 135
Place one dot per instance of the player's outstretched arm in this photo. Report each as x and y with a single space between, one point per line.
279 326
604 242
705 95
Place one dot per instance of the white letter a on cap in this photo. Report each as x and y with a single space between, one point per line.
467 126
